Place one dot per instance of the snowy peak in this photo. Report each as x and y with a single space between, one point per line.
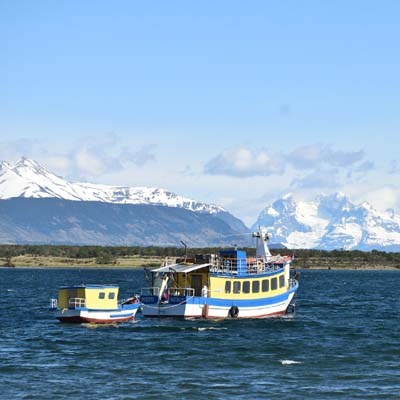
330 222
27 178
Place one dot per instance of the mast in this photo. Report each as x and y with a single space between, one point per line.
262 250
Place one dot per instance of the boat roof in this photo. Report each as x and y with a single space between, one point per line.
184 268
90 287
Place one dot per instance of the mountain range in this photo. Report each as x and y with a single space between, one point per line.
330 222
37 206
27 178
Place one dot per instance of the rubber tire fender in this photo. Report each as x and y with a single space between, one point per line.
233 312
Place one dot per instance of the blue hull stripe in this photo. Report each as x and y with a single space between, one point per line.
121 315
126 307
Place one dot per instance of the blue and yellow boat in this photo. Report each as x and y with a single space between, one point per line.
94 304
227 285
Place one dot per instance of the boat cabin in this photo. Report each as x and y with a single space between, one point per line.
101 297
230 274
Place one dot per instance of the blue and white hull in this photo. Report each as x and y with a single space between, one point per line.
211 308
79 315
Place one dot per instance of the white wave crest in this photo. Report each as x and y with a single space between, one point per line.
211 328
289 362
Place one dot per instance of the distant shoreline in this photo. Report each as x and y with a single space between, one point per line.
28 261
137 262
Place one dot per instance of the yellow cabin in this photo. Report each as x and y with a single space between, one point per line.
98 297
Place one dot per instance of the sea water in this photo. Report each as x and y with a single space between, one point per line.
342 343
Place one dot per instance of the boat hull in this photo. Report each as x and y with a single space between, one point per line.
77 315
211 308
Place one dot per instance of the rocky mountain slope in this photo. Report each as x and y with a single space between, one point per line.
58 221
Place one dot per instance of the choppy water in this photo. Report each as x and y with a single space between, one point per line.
343 343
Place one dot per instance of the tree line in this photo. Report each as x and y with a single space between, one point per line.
113 252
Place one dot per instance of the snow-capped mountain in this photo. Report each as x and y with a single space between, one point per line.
27 178
330 222
37 206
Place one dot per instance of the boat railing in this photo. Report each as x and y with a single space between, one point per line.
177 296
168 261
76 302
180 292
170 296
53 304
235 266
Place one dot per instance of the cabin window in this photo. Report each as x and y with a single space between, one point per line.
282 281
255 286
246 287
227 286
102 295
274 283
111 295
236 287
265 285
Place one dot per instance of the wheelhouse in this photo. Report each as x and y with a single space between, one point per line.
91 296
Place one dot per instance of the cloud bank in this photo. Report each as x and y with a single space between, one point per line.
312 165
90 157
243 162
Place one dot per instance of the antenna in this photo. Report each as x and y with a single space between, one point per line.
184 244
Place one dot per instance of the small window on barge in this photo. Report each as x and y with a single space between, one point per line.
227 286
236 287
255 286
102 295
246 287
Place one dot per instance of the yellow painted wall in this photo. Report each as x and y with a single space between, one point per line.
93 301
182 282
91 295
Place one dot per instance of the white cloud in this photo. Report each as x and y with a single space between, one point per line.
382 197
340 158
243 162
360 172
88 162
89 158
140 157
315 166
56 163
318 179
313 156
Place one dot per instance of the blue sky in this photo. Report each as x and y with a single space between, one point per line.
231 102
